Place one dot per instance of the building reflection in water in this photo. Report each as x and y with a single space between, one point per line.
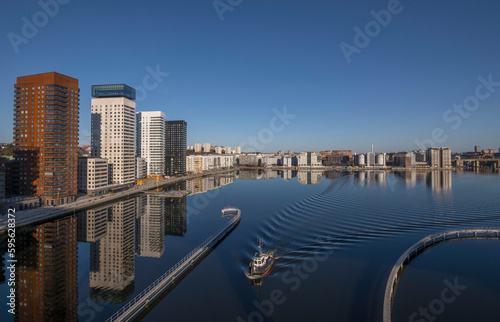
175 216
47 272
204 184
310 176
150 226
112 269
438 181
370 177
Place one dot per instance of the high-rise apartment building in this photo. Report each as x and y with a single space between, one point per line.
477 148
197 147
175 153
151 141
207 147
439 157
237 149
46 137
113 130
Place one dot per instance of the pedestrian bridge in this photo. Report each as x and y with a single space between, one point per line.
134 307
420 247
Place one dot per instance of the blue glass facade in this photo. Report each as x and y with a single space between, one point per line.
113 90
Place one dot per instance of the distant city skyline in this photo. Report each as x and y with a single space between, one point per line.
421 77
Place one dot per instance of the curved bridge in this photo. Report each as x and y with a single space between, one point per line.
420 247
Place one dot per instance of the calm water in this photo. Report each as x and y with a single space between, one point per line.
336 239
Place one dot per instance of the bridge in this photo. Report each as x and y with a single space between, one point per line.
141 301
420 247
477 163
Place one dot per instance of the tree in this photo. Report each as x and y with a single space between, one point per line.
8 150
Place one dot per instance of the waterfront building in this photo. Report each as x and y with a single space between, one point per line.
289 161
151 141
113 130
175 153
250 159
439 157
370 159
92 175
46 137
309 159
405 160
336 157
201 163
271 160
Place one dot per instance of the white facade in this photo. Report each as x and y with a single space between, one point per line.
142 168
218 149
237 150
200 163
206 147
287 160
92 174
113 136
197 147
309 159
227 150
151 141
271 160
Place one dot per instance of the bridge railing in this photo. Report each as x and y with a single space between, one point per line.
412 252
167 274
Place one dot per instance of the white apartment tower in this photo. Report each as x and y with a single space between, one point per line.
113 130
151 141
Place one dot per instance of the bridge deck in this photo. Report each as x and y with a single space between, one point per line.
132 309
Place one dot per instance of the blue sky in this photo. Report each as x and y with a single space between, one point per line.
225 77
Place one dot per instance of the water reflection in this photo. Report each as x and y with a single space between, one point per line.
303 176
46 272
112 268
150 226
175 216
438 181
371 177
310 177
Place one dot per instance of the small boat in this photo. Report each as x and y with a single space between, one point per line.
261 263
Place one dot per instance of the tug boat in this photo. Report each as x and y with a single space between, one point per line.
261 263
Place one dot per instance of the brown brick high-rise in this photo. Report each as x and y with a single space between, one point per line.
46 137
